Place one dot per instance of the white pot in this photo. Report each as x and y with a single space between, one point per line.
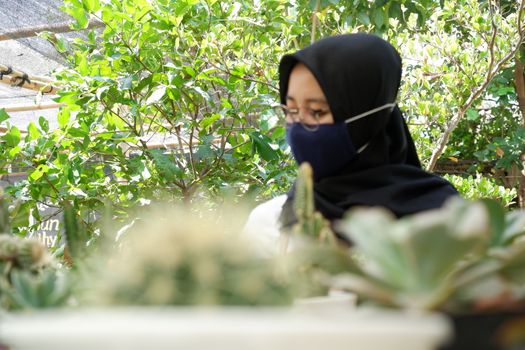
334 302
222 329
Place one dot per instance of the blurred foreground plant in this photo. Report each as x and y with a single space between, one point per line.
467 255
28 278
310 264
309 221
180 257
452 258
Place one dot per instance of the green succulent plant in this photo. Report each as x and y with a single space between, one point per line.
439 259
35 291
75 233
309 221
309 264
28 277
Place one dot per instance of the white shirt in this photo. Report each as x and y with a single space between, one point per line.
262 226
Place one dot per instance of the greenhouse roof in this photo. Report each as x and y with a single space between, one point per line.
31 55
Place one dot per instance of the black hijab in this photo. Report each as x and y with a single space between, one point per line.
357 73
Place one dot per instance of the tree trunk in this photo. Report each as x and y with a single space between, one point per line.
519 81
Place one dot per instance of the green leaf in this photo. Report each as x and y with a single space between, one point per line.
362 227
363 18
63 117
20 214
33 131
82 64
14 151
12 137
378 18
394 10
91 5
204 152
262 146
44 124
38 172
3 115
77 192
472 114
62 44
204 123
502 91
165 165
279 133
190 71
437 251
417 254
421 19
80 15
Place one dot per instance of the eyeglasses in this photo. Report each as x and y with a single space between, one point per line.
309 118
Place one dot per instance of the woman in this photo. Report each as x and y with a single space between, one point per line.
339 96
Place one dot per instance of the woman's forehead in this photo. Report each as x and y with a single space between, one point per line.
303 85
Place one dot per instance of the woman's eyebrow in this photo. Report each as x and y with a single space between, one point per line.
318 100
310 100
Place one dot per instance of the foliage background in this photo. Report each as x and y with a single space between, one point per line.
172 99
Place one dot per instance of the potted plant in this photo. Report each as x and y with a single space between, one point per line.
181 278
466 260
28 274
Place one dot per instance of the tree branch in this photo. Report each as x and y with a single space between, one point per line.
493 70
315 21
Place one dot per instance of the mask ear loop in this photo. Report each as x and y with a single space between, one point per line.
362 115
362 148
372 111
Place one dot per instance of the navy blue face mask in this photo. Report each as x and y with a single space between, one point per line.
328 149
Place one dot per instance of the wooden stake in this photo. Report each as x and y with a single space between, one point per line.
45 88
7 70
24 108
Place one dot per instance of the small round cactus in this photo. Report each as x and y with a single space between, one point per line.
8 247
176 257
23 253
31 253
